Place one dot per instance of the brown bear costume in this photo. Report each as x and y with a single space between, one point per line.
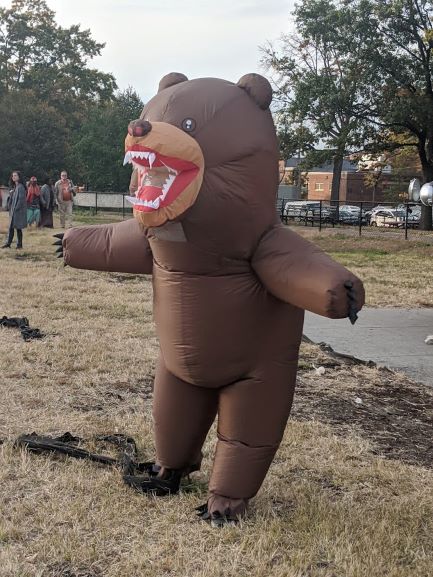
230 281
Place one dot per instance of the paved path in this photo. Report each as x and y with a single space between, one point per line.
388 336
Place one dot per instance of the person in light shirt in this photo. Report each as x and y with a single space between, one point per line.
64 193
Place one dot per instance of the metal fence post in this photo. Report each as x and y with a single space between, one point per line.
360 219
320 216
406 220
96 203
123 206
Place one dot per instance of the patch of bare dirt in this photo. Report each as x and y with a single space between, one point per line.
387 408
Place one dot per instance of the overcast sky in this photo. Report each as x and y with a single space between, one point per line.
145 39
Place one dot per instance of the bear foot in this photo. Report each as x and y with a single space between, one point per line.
220 511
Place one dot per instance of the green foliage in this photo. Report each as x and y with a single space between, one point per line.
56 112
98 149
33 136
38 54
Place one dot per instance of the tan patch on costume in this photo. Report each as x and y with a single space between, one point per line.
170 176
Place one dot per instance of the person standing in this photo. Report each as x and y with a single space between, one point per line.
65 192
33 202
17 209
47 204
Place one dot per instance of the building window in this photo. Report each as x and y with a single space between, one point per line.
319 186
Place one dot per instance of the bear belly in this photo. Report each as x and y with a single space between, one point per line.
214 330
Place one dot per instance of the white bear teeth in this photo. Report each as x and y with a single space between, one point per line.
131 154
148 203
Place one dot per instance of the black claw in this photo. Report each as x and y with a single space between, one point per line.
353 316
216 519
59 244
351 295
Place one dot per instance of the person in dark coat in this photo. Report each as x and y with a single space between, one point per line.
17 210
47 204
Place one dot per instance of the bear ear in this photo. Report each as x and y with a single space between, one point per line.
258 88
171 79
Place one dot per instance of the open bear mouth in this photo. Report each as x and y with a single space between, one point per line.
161 179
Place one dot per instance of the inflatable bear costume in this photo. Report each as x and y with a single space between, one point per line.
230 281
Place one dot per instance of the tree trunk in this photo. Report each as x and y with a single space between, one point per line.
336 178
426 222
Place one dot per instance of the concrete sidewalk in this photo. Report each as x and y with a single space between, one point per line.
390 337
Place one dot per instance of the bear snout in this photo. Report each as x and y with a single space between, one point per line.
139 127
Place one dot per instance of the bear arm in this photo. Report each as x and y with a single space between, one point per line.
298 272
120 247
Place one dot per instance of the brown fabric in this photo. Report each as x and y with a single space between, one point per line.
230 286
258 88
233 508
171 79
120 247
182 416
298 272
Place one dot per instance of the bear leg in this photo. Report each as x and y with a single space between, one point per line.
252 416
182 415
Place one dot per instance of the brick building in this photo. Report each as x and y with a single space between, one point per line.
319 182
352 184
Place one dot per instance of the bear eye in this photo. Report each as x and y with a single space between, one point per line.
188 124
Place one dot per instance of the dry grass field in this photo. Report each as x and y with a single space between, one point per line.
350 493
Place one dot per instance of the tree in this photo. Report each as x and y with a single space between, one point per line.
33 136
46 87
98 149
402 59
38 54
323 84
393 168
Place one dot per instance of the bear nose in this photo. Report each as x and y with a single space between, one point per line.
139 127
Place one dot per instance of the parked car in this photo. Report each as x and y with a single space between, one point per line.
350 208
298 208
350 214
308 211
388 217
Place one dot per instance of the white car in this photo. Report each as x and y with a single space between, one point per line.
350 208
299 208
388 217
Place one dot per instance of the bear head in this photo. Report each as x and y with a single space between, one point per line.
205 153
